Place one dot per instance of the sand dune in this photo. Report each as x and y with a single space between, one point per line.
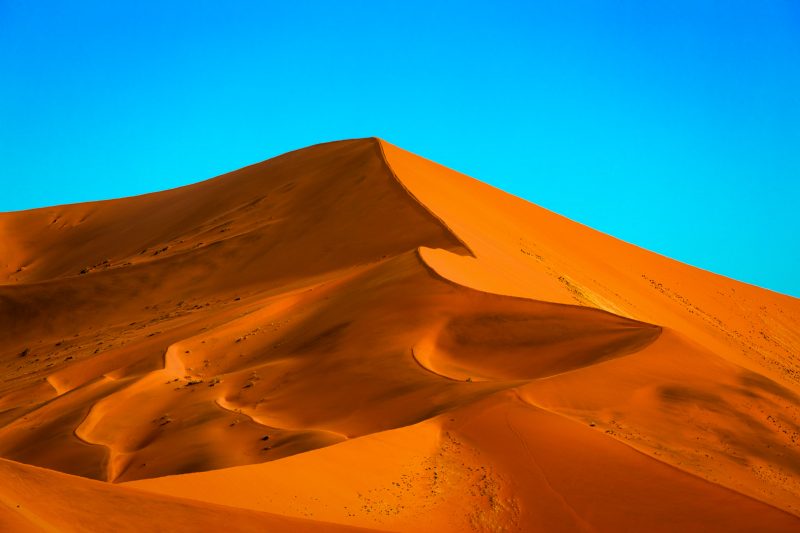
500 463
352 334
35 499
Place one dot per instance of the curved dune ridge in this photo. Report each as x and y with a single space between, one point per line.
350 335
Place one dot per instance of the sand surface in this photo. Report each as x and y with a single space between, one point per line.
352 335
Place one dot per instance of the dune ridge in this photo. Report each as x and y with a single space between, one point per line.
353 304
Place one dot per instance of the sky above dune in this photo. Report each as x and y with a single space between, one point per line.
675 127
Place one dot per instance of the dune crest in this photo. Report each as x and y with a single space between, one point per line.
354 304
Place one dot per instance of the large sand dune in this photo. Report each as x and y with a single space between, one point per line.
351 334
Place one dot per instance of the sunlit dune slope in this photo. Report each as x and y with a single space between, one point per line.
35 499
354 334
520 249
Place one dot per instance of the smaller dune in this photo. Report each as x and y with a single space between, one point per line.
513 339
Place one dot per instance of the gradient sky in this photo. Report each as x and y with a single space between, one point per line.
672 125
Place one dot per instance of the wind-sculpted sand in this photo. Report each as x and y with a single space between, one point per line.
352 335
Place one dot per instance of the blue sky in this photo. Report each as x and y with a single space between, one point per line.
672 125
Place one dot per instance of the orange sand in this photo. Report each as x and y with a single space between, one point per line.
35 499
351 334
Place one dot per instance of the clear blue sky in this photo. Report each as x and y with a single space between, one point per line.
673 125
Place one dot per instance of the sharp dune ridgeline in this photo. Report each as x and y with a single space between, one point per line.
351 336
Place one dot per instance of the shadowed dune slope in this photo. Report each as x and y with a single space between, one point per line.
354 334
